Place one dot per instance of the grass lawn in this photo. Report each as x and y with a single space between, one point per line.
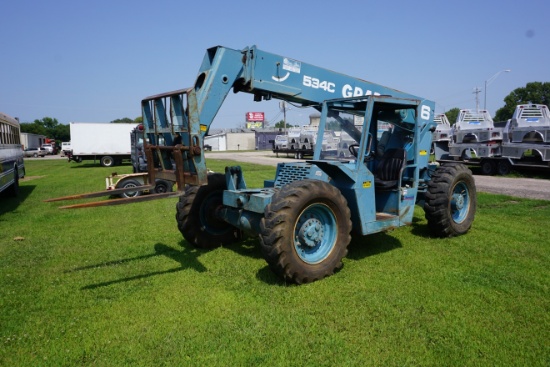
119 286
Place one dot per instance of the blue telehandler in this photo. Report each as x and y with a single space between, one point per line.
305 217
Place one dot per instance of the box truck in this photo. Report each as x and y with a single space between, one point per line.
108 143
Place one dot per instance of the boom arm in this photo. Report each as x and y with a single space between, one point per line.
265 75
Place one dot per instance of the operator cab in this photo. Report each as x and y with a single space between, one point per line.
382 142
386 142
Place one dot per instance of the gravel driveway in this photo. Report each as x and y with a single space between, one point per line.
519 187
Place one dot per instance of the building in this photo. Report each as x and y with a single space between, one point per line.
265 139
29 140
262 139
223 141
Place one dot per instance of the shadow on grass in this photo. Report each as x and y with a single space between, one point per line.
420 228
9 204
250 247
359 248
188 259
370 245
267 276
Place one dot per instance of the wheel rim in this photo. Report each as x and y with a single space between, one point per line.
132 193
315 233
460 202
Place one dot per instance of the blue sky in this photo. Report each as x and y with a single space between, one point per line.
95 60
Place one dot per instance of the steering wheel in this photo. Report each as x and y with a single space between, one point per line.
353 149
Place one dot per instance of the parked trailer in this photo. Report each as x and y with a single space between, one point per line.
300 142
296 153
443 130
108 143
138 181
523 141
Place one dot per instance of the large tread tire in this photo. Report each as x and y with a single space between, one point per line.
451 200
305 231
196 215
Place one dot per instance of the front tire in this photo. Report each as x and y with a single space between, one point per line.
196 215
305 231
451 199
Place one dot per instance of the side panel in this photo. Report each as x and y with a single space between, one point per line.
100 138
301 82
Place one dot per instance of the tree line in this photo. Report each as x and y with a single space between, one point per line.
52 129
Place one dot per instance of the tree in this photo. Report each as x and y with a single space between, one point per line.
452 114
125 120
33 128
281 125
534 92
61 132
48 127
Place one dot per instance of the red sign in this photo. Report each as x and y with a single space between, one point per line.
255 116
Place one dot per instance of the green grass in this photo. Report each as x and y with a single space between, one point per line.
118 286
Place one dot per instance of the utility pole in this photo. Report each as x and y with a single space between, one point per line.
282 106
476 92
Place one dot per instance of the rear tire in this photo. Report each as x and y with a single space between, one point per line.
196 215
504 167
162 186
451 199
488 167
305 231
107 161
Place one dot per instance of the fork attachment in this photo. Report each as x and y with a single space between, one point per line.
178 159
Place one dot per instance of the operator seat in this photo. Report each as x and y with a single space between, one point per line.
389 168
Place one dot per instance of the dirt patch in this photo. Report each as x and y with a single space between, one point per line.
30 178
